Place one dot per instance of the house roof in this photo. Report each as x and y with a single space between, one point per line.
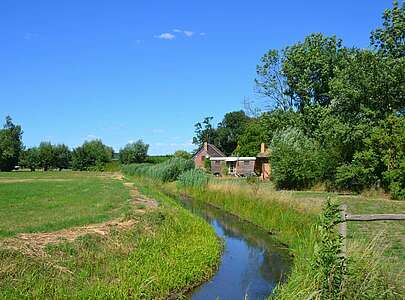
212 151
233 158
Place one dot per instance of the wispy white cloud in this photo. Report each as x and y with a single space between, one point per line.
188 33
91 137
158 130
203 33
177 30
29 36
165 36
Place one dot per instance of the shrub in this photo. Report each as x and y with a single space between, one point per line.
195 178
296 160
134 152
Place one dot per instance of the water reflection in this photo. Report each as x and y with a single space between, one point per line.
252 263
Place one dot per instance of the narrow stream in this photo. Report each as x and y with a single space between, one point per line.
252 263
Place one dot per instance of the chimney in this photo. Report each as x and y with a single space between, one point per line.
205 146
262 148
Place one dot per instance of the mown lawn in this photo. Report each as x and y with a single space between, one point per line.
48 201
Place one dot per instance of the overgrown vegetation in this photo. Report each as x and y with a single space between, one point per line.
166 171
193 178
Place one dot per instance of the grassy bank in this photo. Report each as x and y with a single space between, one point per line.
294 221
144 251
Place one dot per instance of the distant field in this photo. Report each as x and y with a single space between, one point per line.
48 201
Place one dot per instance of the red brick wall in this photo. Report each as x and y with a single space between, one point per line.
199 159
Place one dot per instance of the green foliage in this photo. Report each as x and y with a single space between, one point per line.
10 145
182 154
329 264
229 130
157 159
63 156
368 86
47 155
165 172
194 178
134 153
207 164
249 142
261 130
390 39
296 161
272 82
227 133
204 132
30 159
309 66
92 155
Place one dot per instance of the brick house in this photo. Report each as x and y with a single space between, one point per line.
234 165
206 151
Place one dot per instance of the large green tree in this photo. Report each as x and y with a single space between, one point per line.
10 145
390 38
92 155
134 152
229 130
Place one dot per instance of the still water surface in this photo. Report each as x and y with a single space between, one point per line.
252 263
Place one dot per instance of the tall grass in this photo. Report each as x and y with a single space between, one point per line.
194 178
166 171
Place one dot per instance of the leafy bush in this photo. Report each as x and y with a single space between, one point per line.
91 155
296 160
165 172
134 152
195 178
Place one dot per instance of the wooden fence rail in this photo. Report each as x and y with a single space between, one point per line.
373 217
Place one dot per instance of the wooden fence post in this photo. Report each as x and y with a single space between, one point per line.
343 229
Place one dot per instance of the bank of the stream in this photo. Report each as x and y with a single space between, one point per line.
297 225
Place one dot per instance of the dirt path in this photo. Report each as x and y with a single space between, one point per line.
33 244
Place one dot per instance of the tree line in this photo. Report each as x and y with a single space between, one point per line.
334 115
91 155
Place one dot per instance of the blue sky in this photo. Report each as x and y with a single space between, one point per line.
124 70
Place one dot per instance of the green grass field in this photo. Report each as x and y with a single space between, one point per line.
48 201
153 253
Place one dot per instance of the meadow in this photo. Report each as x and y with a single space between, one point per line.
96 236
